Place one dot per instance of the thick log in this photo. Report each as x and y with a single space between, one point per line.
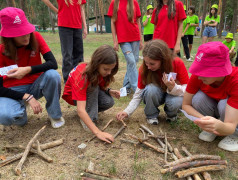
27 150
160 150
205 175
103 129
194 157
193 164
19 156
189 172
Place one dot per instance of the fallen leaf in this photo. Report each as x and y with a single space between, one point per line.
2 157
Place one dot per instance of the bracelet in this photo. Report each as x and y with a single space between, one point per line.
107 91
29 98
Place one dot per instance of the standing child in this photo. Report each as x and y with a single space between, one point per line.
168 20
210 24
71 17
194 22
186 24
30 79
231 44
126 31
148 26
87 88
154 87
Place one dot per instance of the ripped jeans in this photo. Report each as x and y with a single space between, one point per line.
131 53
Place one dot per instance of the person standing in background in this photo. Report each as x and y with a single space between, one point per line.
71 18
148 26
126 31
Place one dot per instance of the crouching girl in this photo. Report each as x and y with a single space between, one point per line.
154 87
87 88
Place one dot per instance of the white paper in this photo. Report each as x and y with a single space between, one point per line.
192 118
4 70
123 92
171 74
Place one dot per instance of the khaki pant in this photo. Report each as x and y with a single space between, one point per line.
232 55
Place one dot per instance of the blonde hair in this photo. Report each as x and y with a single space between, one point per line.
129 9
71 2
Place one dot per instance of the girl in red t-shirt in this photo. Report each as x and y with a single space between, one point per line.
30 79
126 31
168 19
154 87
71 18
87 88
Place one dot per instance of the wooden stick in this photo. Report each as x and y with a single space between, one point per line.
124 124
194 157
28 147
193 164
165 148
143 132
103 129
128 141
42 154
205 175
43 147
99 174
119 131
147 129
89 176
191 171
160 150
162 137
177 153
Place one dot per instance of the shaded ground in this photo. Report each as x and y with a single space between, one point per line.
118 159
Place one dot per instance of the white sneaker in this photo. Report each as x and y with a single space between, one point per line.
206 136
57 123
171 119
229 143
189 60
153 121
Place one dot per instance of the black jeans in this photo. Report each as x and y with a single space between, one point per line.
236 62
185 46
72 49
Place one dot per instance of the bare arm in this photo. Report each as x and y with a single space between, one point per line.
146 21
114 35
50 5
180 30
85 31
81 105
141 41
185 30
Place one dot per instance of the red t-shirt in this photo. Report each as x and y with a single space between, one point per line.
125 30
178 67
76 85
167 29
26 57
70 16
228 89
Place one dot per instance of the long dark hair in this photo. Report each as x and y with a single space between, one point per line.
157 50
215 14
129 9
10 48
171 11
105 54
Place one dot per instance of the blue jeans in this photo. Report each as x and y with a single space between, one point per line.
153 97
71 41
48 85
210 31
131 53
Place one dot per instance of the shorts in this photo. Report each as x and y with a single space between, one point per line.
148 37
210 31
190 39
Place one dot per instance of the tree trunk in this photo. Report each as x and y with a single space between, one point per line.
11 3
101 11
204 15
147 2
200 9
23 5
51 21
234 19
88 2
219 7
96 15
222 17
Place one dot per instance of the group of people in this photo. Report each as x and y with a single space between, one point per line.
209 94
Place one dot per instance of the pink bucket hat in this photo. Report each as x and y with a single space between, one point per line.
14 23
212 60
